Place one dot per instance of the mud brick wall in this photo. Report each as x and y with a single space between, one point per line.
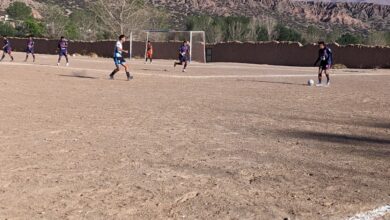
272 53
294 54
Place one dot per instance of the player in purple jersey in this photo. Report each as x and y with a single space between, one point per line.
325 58
7 49
30 48
183 55
63 50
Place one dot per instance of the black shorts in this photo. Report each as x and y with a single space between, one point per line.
182 58
324 66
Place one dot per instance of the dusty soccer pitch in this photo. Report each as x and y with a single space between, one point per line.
222 141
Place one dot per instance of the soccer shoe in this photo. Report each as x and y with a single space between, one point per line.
111 77
327 84
174 65
130 78
318 84
58 64
67 64
183 70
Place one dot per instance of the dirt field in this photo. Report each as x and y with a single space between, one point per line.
222 141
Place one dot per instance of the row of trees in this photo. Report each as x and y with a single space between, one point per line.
106 19
102 19
219 29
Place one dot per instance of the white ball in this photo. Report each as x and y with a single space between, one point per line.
310 82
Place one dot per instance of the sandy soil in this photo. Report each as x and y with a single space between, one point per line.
222 141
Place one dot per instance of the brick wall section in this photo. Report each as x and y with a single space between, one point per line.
293 54
272 53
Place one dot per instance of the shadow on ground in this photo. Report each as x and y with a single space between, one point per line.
346 143
80 76
271 82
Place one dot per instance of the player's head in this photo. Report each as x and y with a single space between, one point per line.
30 37
62 38
5 37
185 42
321 44
148 41
122 38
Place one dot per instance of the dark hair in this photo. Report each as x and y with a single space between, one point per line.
121 36
321 42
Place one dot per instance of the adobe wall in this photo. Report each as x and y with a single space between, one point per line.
272 53
294 54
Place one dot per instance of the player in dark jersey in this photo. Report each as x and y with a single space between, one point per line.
119 59
325 58
149 52
63 50
7 49
30 48
183 55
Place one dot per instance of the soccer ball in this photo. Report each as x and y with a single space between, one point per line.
310 82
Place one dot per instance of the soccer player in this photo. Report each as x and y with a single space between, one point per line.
30 48
325 57
7 49
149 52
63 50
119 59
183 55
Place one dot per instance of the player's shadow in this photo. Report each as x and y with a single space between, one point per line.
271 82
79 76
347 143
374 123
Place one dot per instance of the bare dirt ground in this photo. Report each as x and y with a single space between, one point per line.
222 141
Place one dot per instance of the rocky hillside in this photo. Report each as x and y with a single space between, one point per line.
354 15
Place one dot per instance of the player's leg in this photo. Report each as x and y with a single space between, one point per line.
185 65
59 58
129 77
320 70
27 52
326 71
10 55
2 57
33 55
67 59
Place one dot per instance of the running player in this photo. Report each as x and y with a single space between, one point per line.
149 52
119 59
7 49
183 55
63 50
325 57
30 48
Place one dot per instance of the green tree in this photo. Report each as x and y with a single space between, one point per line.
55 20
7 30
32 27
19 11
349 38
207 24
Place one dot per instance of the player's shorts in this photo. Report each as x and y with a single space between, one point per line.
149 54
8 50
63 52
119 60
324 66
30 50
182 58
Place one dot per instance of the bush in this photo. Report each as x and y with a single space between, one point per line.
32 27
349 38
261 33
19 11
7 30
287 34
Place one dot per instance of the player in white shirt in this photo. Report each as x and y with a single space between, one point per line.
119 59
